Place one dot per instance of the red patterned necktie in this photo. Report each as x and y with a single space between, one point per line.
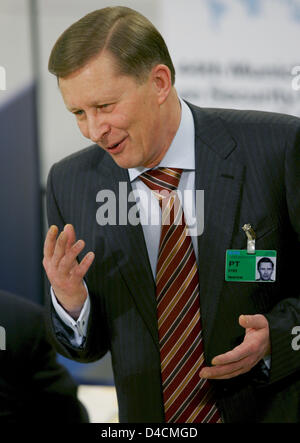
187 397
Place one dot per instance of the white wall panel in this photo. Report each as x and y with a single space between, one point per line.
235 53
15 45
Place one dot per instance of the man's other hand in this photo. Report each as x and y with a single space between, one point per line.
242 358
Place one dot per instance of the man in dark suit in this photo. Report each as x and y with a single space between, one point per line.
34 388
115 74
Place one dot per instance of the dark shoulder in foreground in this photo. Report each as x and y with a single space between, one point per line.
17 306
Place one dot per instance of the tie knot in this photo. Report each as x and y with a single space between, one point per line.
162 179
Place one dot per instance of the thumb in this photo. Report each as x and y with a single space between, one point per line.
256 321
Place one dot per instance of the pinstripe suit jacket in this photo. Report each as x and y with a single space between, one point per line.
248 164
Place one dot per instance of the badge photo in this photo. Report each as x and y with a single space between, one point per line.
265 269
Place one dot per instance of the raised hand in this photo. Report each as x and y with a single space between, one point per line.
63 270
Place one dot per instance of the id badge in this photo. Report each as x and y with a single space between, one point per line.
259 266
250 265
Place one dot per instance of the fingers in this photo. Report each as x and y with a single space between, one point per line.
235 355
60 249
256 321
60 253
231 368
50 242
223 372
70 232
66 239
253 341
68 260
64 243
242 358
80 270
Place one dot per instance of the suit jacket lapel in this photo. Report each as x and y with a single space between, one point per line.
221 179
129 249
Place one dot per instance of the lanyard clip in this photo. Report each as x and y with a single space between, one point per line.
251 236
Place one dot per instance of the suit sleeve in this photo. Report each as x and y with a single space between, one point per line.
286 314
61 335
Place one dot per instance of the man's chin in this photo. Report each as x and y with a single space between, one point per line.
124 163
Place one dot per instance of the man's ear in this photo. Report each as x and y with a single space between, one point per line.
161 77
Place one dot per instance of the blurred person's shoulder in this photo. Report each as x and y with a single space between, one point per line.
23 321
18 306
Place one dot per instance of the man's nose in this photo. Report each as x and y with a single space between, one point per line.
97 129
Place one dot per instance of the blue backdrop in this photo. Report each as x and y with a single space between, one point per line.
20 197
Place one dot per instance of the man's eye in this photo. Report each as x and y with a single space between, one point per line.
78 112
104 106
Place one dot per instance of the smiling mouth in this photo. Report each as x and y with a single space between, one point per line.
116 144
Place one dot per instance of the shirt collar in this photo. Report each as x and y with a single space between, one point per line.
181 153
